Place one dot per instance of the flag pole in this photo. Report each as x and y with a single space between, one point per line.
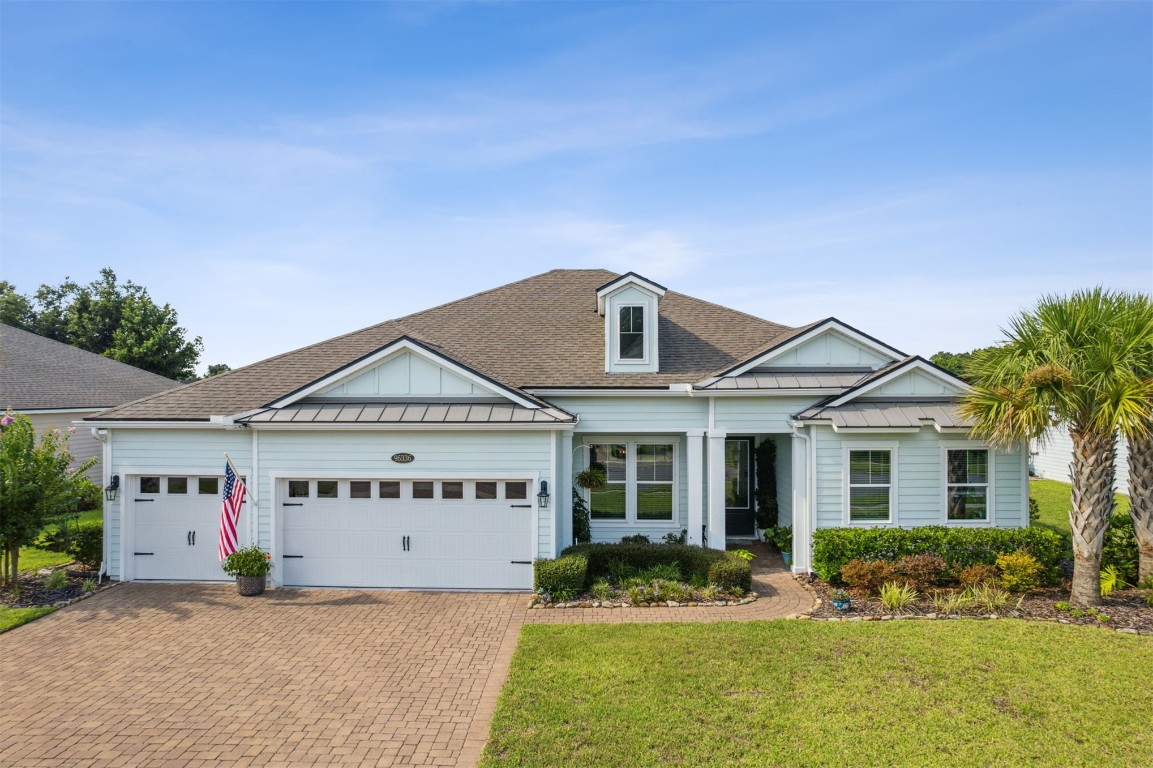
236 471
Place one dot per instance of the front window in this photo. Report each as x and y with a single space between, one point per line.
632 333
967 484
638 482
870 485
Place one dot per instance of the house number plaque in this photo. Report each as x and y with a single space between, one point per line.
403 458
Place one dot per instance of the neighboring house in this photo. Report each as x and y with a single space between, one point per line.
55 384
1053 459
438 450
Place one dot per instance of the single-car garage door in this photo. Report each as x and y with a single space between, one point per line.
176 521
431 534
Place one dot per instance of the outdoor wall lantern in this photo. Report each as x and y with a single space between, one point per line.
542 497
112 488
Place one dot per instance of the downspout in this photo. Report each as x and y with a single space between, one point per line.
811 486
106 461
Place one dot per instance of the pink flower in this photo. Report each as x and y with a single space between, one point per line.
72 430
7 419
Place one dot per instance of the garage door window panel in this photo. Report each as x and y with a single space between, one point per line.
177 485
516 491
327 489
422 489
452 490
208 486
360 489
298 489
150 485
389 489
485 490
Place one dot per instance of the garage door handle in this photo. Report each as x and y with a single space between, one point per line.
293 504
194 538
521 562
293 557
521 506
142 553
139 500
188 538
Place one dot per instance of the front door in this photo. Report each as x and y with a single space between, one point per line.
739 487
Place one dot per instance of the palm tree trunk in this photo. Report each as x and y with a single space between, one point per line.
1141 499
1094 453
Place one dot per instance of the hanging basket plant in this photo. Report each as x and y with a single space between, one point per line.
593 478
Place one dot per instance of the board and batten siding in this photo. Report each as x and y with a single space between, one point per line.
352 454
1054 455
920 478
169 451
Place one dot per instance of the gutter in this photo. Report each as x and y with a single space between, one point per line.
106 460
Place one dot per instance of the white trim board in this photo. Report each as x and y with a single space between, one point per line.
832 325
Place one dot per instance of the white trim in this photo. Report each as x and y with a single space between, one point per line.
50 411
623 281
873 430
990 520
388 351
846 517
554 499
546 393
825 327
254 507
510 426
716 492
910 365
155 425
694 486
1023 447
616 334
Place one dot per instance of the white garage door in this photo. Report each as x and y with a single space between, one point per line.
431 534
176 519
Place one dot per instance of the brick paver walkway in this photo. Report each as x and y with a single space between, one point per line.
184 675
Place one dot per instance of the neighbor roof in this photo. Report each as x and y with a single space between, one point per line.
37 373
539 333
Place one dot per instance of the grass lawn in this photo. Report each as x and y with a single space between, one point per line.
799 693
34 558
14 617
1053 502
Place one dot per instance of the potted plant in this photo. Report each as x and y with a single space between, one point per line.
841 600
782 538
250 566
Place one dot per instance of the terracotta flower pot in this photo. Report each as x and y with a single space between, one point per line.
250 585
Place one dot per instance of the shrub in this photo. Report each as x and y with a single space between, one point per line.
988 597
677 538
732 575
866 575
921 571
567 573
89 495
1149 598
1111 580
665 571
656 591
743 554
950 603
1020 571
636 538
896 596
781 537
960 547
601 589
978 574
620 570
87 546
56 580
1119 547
691 560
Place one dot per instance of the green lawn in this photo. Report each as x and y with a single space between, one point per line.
800 693
34 558
14 617
1053 500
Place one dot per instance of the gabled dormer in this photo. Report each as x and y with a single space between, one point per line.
629 306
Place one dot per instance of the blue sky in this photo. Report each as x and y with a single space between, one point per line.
285 172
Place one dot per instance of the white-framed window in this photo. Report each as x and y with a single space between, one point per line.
640 481
631 345
870 484
967 469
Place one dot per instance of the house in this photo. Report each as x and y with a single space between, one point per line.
1053 459
438 450
55 384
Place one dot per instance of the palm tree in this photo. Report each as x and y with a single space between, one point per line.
1074 361
1141 459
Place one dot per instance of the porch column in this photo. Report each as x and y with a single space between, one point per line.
562 492
717 488
802 505
695 470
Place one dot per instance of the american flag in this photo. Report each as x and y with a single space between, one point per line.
234 492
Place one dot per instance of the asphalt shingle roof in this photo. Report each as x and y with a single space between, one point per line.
541 332
37 373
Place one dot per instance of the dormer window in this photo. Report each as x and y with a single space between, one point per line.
630 306
632 333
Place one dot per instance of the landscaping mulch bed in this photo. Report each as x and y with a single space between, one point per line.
32 591
1124 609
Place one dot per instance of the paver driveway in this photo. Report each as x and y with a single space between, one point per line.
194 675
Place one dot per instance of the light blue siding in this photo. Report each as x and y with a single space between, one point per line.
828 349
163 451
406 374
756 415
784 466
920 479
636 414
914 383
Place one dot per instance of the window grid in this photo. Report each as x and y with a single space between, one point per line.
870 485
967 484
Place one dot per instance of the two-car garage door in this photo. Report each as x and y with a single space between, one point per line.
407 533
438 534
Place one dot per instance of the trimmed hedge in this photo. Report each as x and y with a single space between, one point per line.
566 574
1119 547
731 573
691 560
960 547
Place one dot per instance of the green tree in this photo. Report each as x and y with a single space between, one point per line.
215 370
1072 361
119 321
36 485
1141 457
957 363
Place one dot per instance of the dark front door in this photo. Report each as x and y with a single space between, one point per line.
738 487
